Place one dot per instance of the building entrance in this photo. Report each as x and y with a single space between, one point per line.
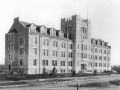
83 67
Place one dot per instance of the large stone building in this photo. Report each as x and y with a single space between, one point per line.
30 48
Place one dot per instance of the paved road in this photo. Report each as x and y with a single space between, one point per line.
64 85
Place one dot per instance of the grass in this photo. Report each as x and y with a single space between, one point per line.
12 83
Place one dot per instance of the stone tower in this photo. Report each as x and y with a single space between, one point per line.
78 30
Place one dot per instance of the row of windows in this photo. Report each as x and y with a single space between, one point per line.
22 62
85 55
54 63
102 51
100 65
55 44
101 58
9 37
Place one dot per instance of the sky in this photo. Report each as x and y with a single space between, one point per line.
104 16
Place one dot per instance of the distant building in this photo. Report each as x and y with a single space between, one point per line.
30 48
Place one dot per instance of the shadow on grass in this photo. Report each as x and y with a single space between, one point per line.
115 82
93 84
58 80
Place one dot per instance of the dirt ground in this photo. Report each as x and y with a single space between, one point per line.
70 83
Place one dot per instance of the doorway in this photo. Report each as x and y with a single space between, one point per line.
83 67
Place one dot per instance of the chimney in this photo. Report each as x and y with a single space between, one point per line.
16 19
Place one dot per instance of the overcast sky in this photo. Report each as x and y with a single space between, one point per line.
104 16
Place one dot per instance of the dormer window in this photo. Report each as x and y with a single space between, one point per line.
32 28
57 33
65 35
48 31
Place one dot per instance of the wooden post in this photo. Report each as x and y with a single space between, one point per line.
77 86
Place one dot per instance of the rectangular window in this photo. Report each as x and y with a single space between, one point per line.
63 45
82 55
63 54
55 43
95 57
46 42
70 46
34 62
45 63
21 62
21 51
54 53
82 47
95 50
9 57
54 62
22 41
104 51
35 40
45 52
35 51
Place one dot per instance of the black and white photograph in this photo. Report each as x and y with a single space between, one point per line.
60 45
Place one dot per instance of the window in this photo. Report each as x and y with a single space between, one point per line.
21 62
91 57
104 58
104 64
95 57
9 46
45 52
82 55
35 40
35 51
81 46
45 62
21 40
54 53
9 57
21 51
100 57
62 63
34 62
95 50
46 42
95 64
70 46
63 45
70 54
100 51
100 64
55 43
69 63
54 62
104 51
62 54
